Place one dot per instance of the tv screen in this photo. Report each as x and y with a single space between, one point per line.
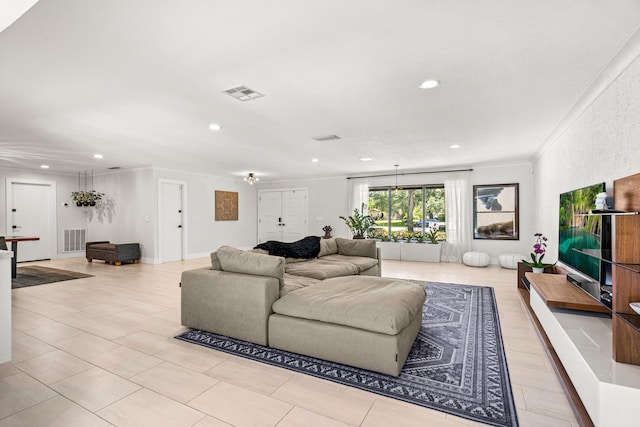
578 230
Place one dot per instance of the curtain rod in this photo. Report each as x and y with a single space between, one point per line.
408 173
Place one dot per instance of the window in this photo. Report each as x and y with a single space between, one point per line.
408 211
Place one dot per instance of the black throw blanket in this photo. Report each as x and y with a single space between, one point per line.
309 247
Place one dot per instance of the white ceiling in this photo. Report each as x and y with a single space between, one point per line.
140 81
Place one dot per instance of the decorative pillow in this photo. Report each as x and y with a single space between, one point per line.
357 247
328 247
215 262
237 261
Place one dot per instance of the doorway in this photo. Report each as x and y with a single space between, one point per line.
31 212
172 220
282 215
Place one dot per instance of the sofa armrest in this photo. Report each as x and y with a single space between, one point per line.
232 304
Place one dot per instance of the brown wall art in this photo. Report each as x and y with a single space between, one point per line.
226 206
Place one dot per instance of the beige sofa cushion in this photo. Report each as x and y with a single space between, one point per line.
363 263
375 304
356 247
320 269
293 283
328 247
237 261
215 261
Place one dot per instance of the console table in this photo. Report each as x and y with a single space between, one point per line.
602 391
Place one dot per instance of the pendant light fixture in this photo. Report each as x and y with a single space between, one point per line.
251 178
396 188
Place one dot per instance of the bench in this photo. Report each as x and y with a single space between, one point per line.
113 253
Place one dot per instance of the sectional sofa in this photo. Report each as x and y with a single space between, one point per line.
334 306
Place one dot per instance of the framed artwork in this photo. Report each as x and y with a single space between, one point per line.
226 206
495 212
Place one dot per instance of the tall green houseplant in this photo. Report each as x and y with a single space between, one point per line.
359 223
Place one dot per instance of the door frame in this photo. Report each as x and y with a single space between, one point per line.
183 230
53 197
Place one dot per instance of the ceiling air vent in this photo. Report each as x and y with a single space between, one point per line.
243 93
114 168
326 137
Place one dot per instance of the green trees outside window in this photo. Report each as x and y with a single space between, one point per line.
410 210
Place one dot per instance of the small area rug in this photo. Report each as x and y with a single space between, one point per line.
457 364
37 275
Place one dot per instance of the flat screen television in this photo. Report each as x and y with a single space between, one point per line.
588 233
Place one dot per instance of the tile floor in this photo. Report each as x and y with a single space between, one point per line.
99 352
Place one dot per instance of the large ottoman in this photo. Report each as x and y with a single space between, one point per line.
363 321
115 253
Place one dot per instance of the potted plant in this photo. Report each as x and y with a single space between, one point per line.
359 223
86 198
539 249
432 235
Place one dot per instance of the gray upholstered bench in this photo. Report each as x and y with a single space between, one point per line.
363 321
115 253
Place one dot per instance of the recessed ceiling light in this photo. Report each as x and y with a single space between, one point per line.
366 159
215 126
315 160
454 146
44 166
98 156
429 84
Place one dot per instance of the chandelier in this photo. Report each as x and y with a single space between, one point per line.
251 178
396 188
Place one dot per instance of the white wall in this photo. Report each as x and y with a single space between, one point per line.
328 199
521 174
131 211
601 145
204 233
67 217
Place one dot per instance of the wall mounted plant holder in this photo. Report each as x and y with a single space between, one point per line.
86 197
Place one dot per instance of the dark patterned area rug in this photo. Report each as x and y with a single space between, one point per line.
38 275
457 364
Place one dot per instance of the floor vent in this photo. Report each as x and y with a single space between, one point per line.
74 240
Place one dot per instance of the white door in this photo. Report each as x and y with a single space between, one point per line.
31 216
171 224
294 214
270 216
282 215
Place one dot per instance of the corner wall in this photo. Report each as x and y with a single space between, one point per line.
601 145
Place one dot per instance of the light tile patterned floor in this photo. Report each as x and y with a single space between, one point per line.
99 352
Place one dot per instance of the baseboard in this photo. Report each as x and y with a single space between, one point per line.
201 255
69 255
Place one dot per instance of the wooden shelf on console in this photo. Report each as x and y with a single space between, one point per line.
557 292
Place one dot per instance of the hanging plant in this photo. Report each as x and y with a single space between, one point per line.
86 198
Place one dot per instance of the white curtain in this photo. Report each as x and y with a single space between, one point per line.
458 200
358 194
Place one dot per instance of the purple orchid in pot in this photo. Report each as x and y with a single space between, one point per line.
539 250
